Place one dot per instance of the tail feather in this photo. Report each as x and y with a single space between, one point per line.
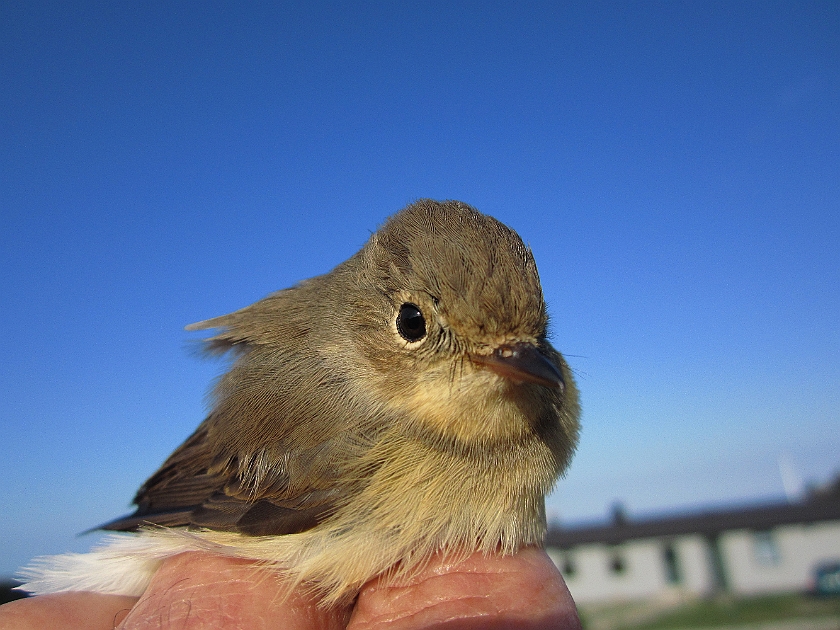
120 565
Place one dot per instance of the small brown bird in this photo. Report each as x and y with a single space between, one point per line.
403 404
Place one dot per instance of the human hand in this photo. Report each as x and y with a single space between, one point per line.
195 591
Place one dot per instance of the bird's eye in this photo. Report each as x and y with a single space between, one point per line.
410 323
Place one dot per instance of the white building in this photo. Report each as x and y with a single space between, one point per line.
768 548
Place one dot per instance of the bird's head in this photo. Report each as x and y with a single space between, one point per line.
451 323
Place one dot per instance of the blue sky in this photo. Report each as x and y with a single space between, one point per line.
675 167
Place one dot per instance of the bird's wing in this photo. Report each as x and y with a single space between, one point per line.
196 488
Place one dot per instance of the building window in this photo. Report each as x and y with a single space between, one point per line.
765 548
673 575
617 564
568 566
719 573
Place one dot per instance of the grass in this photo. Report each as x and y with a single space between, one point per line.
720 612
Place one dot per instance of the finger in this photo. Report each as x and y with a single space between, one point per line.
521 591
195 591
66 611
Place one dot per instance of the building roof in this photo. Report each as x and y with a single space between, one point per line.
821 505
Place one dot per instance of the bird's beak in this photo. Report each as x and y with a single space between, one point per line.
522 363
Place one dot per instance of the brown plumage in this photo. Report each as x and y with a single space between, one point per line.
405 403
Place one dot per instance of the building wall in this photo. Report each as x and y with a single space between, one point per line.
696 564
633 570
781 560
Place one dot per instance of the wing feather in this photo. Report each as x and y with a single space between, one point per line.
195 488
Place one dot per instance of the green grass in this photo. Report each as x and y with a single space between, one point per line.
727 611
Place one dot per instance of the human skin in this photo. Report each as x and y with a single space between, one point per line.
194 591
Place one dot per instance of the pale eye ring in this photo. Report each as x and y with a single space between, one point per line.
410 322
